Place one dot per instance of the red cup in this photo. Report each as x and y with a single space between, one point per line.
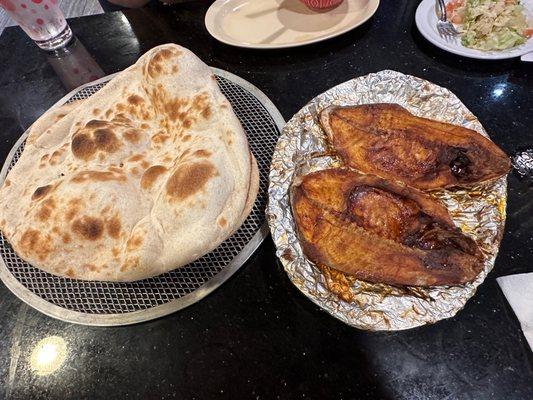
321 4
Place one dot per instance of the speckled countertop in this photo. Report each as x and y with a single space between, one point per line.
257 337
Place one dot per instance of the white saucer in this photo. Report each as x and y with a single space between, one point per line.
426 21
275 24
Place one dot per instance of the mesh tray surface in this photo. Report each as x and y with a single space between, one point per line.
101 298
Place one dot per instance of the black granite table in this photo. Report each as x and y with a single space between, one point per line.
257 337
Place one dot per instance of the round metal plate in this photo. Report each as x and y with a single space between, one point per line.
123 303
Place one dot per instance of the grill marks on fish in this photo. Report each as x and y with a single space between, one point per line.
387 140
397 234
396 217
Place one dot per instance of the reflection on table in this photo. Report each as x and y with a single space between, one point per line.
74 65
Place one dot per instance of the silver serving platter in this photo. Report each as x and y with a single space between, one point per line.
303 147
123 303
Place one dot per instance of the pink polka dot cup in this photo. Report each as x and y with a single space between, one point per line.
42 20
321 4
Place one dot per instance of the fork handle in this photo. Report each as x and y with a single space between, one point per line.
442 10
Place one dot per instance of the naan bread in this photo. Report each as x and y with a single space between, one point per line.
48 119
148 174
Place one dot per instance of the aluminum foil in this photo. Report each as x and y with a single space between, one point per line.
302 148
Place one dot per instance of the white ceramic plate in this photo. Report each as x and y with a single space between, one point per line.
275 24
426 21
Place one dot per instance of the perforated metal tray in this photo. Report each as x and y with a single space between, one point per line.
118 303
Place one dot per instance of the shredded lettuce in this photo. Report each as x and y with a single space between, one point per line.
492 24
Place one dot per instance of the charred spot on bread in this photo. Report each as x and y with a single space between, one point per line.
188 179
151 175
40 192
88 228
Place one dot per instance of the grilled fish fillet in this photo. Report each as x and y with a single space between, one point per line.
380 231
387 140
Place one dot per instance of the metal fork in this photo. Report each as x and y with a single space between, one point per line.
445 28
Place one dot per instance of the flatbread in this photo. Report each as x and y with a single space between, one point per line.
48 119
148 174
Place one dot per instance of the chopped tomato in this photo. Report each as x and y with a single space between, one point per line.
452 5
449 8
528 32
